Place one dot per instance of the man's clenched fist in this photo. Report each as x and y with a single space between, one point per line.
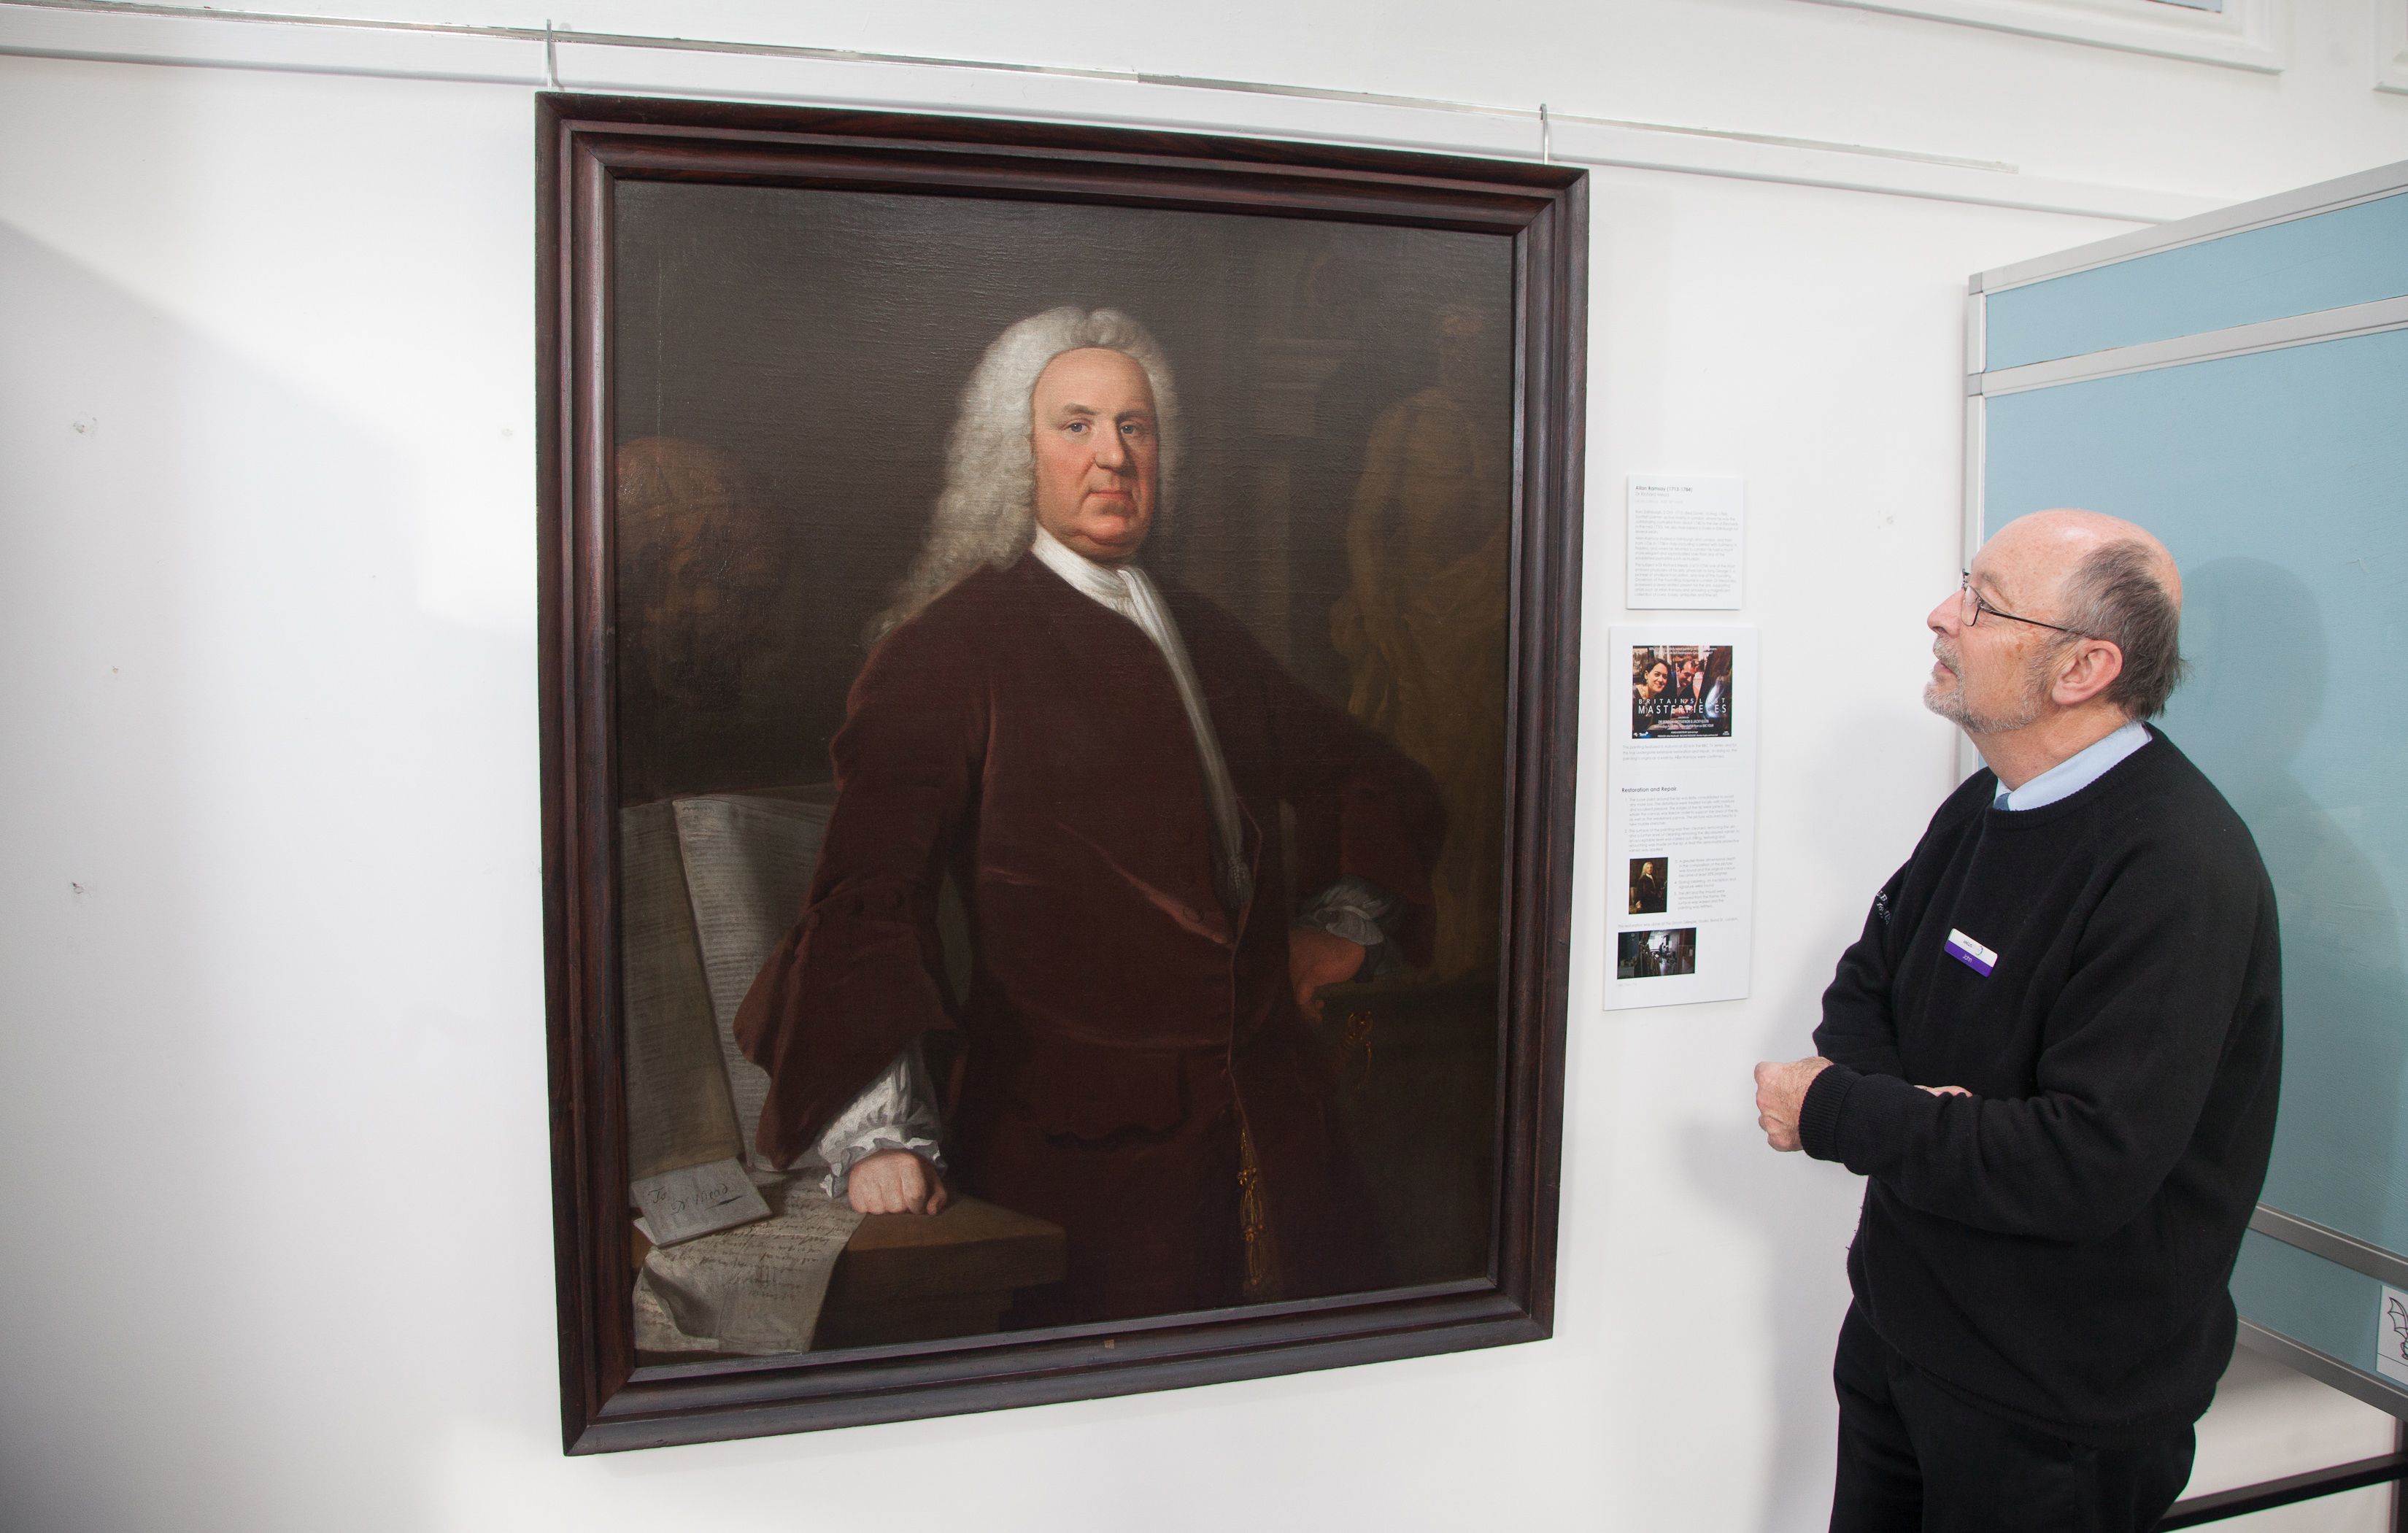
893 1182
1781 1096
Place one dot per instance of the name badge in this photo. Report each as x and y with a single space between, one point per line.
1971 954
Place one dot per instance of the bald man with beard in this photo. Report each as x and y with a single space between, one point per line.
2052 1054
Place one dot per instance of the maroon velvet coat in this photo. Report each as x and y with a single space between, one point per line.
1121 1027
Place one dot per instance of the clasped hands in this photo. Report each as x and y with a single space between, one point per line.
1780 1097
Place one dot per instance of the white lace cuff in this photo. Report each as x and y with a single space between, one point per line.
1360 912
896 1112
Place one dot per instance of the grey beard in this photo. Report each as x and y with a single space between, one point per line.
1951 706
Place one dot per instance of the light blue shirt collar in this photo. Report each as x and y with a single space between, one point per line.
2075 772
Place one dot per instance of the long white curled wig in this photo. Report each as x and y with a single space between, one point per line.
987 512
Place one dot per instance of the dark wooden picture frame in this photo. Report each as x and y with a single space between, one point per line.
589 149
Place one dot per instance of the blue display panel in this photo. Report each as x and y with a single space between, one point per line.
2280 481
2352 255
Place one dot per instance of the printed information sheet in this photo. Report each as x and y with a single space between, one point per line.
1688 541
1681 816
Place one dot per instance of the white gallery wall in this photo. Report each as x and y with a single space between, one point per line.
272 1081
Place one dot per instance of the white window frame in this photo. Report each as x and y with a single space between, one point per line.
2391 46
2246 35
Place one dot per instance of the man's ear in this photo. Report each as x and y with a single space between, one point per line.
2084 671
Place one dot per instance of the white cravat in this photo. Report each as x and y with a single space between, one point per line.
1125 590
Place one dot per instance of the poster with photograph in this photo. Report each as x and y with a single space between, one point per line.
1681 816
1681 692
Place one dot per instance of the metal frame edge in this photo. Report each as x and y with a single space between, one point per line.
2343 1249
2276 335
2282 207
2324 1367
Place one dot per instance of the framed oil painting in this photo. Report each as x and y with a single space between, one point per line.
1058 681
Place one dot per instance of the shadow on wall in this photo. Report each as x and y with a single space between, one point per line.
1798 1212
2261 677
1803 1211
263 932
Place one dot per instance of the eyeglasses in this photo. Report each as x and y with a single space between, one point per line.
1970 607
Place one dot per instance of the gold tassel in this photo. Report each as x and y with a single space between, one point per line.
1262 1262
1354 1047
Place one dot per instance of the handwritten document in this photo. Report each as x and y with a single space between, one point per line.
677 1206
748 864
679 1113
754 1290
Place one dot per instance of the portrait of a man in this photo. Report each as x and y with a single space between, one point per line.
1061 681
1060 741
1648 890
1096 758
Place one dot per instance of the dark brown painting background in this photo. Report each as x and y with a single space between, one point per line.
787 366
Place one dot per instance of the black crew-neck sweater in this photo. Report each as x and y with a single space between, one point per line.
2055 1248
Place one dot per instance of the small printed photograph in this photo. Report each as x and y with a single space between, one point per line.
1657 954
1649 879
1680 691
